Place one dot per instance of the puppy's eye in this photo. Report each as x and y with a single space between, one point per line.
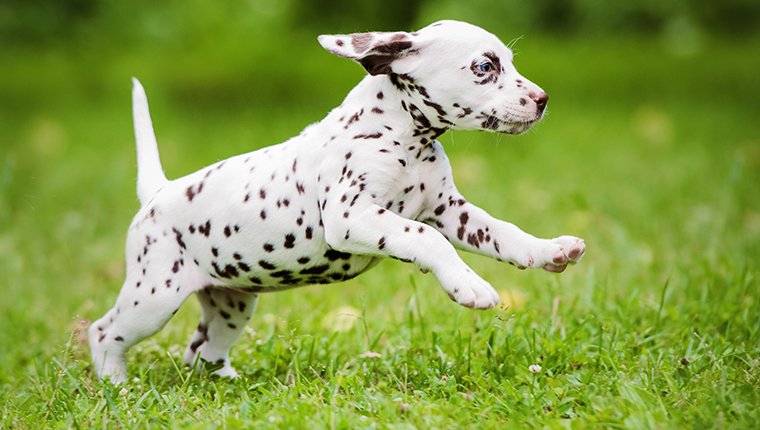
485 67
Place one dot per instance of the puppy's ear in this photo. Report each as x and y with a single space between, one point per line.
375 51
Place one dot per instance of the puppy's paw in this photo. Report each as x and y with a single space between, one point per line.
227 372
470 290
562 251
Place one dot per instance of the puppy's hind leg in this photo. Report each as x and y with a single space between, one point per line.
153 291
225 314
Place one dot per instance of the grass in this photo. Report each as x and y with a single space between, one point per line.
652 157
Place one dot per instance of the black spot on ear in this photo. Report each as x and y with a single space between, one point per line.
386 54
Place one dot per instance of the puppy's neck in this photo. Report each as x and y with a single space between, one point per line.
390 106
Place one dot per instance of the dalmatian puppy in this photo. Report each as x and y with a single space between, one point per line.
367 182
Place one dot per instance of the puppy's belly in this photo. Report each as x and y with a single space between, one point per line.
271 254
298 266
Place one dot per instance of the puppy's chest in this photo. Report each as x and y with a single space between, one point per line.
386 174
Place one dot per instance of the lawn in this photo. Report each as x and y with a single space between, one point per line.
650 154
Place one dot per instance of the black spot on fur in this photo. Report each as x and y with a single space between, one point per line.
205 229
266 265
315 270
290 240
333 255
196 344
281 274
178 236
231 271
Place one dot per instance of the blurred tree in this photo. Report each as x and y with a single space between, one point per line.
138 22
24 22
733 17
333 16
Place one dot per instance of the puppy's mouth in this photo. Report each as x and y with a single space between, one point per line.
509 125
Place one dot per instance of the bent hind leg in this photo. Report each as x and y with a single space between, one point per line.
225 313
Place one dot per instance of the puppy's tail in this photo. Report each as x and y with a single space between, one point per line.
150 174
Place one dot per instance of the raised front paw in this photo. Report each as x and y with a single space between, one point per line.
552 255
470 290
562 251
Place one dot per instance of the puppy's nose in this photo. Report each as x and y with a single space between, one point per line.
540 98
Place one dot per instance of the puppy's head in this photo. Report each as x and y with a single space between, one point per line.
463 75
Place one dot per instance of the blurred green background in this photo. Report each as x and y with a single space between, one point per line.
650 151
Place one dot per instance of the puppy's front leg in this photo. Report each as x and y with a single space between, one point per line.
471 228
372 230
